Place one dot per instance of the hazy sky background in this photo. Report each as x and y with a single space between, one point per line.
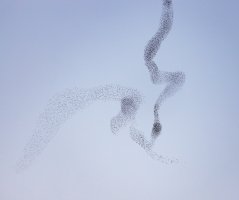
47 46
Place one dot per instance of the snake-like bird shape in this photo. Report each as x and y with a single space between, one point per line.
173 80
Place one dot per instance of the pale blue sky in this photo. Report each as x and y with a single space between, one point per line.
48 45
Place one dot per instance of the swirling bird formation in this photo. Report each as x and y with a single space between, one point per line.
62 106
